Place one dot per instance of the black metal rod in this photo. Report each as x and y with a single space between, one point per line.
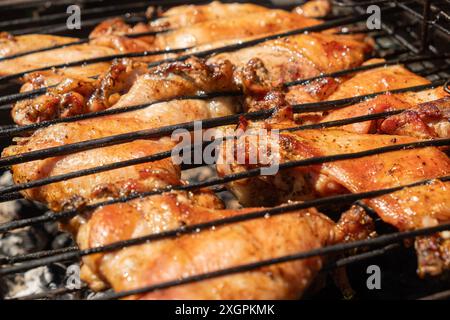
424 26
36 255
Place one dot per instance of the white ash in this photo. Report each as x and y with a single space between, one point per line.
206 173
8 210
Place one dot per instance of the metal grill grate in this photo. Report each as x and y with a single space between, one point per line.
418 40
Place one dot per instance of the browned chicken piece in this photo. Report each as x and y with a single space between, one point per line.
356 175
75 96
314 8
408 210
187 15
427 116
168 81
10 45
296 57
421 207
60 56
78 96
117 27
426 120
240 243
235 27
284 60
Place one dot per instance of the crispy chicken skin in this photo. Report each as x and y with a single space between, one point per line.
187 15
426 114
10 45
272 63
421 207
79 96
409 209
168 82
189 255
296 57
235 27
73 96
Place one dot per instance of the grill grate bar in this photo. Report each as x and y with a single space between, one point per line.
105 11
444 295
133 18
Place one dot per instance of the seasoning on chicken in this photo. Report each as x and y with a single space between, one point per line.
187 78
363 174
189 255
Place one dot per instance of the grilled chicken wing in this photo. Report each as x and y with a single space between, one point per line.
168 82
59 56
408 209
77 96
10 45
187 15
235 27
427 110
189 255
356 175
288 59
296 57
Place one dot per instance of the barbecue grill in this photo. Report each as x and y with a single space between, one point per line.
414 33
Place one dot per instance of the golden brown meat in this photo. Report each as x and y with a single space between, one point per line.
356 175
412 208
314 8
210 250
187 15
10 45
167 82
421 207
235 27
77 96
59 56
426 120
